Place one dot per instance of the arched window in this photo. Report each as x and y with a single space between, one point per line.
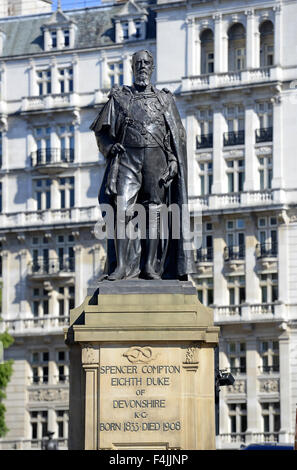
207 51
266 43
236 47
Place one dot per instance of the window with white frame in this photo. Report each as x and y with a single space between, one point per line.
205 253
39 424
66 298
267 236
66 138
207 51
265 171
66 37
235 117
125 29
236 47
40 367
40 254
269 288
237 357
237 417
66 190
206 177
269 353
271 419
62 365
43 142
40 302
115 73
235 239
205 128
54 42
236 289
266 44
62 423
42 190
65 77
265 114
44 81
205 290
65 252
235 170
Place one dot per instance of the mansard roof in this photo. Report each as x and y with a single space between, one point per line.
94 28
131 9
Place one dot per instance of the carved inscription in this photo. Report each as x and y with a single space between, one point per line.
139 394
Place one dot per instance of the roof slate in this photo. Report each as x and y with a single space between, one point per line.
95 27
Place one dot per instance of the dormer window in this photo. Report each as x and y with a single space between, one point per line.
130 22
66 38
125 29
138 29
54 39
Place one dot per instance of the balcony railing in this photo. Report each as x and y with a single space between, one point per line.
269 369
43 266
262 308
238 370
233 138
47 322
266 250
227 310
265 134
205 255
204 141
234 252
52 156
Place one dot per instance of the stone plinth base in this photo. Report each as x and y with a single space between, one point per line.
142 368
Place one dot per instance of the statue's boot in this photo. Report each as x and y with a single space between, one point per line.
149 271
120 271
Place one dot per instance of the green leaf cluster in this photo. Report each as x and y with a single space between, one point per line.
5 374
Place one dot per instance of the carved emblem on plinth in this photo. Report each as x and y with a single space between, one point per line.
138 354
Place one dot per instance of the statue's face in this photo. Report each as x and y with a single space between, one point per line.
142 69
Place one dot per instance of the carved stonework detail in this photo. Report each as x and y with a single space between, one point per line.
49 395
239 386
191 360
269 385
90 354
139 355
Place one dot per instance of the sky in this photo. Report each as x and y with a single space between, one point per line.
69 4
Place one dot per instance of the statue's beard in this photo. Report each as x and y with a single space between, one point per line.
142 79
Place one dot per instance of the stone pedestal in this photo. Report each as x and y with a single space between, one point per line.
142 368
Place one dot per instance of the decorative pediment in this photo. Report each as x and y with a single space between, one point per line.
131 10
58 18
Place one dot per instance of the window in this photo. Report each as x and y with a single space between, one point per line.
269 287
43 154
62 366
62 423
66 300
267 235
0 197
66 189
240 58
235 118
40 301
235 175
236 290
65 253
207 51
39 367
205 253
236 47
271 420
66 35
237 357
138 32
65 76
115 73
39 424
54 39
266 44
237 417
43 193
269 351
44 78
205 133
205 290
265 171
265 116
205 178
1 149
66 137
235 239
40 255
125 30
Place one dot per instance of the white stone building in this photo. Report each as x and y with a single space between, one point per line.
233 68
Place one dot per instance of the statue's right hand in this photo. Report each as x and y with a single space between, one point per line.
117 148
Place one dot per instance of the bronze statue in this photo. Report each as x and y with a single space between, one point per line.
139 131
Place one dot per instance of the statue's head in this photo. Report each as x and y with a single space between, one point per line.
142 66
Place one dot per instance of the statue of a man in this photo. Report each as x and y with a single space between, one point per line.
140 133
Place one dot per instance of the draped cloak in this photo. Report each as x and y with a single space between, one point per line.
107 127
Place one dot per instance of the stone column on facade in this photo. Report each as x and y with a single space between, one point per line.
219 177
3 82
33 88
127 70
191 67
192 164
278 35
5 278
253 414
75 69
90 363
250 40
287 427
52 420
218 45
103 72
252 289
23 260
224 427
118 31
131 27
55 194
54 76
283 256
277 181
251 167
219 280
79 290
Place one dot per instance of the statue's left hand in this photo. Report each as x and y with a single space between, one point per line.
170 173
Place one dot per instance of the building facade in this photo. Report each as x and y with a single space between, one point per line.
233 70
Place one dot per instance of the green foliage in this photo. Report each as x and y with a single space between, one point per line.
5 374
